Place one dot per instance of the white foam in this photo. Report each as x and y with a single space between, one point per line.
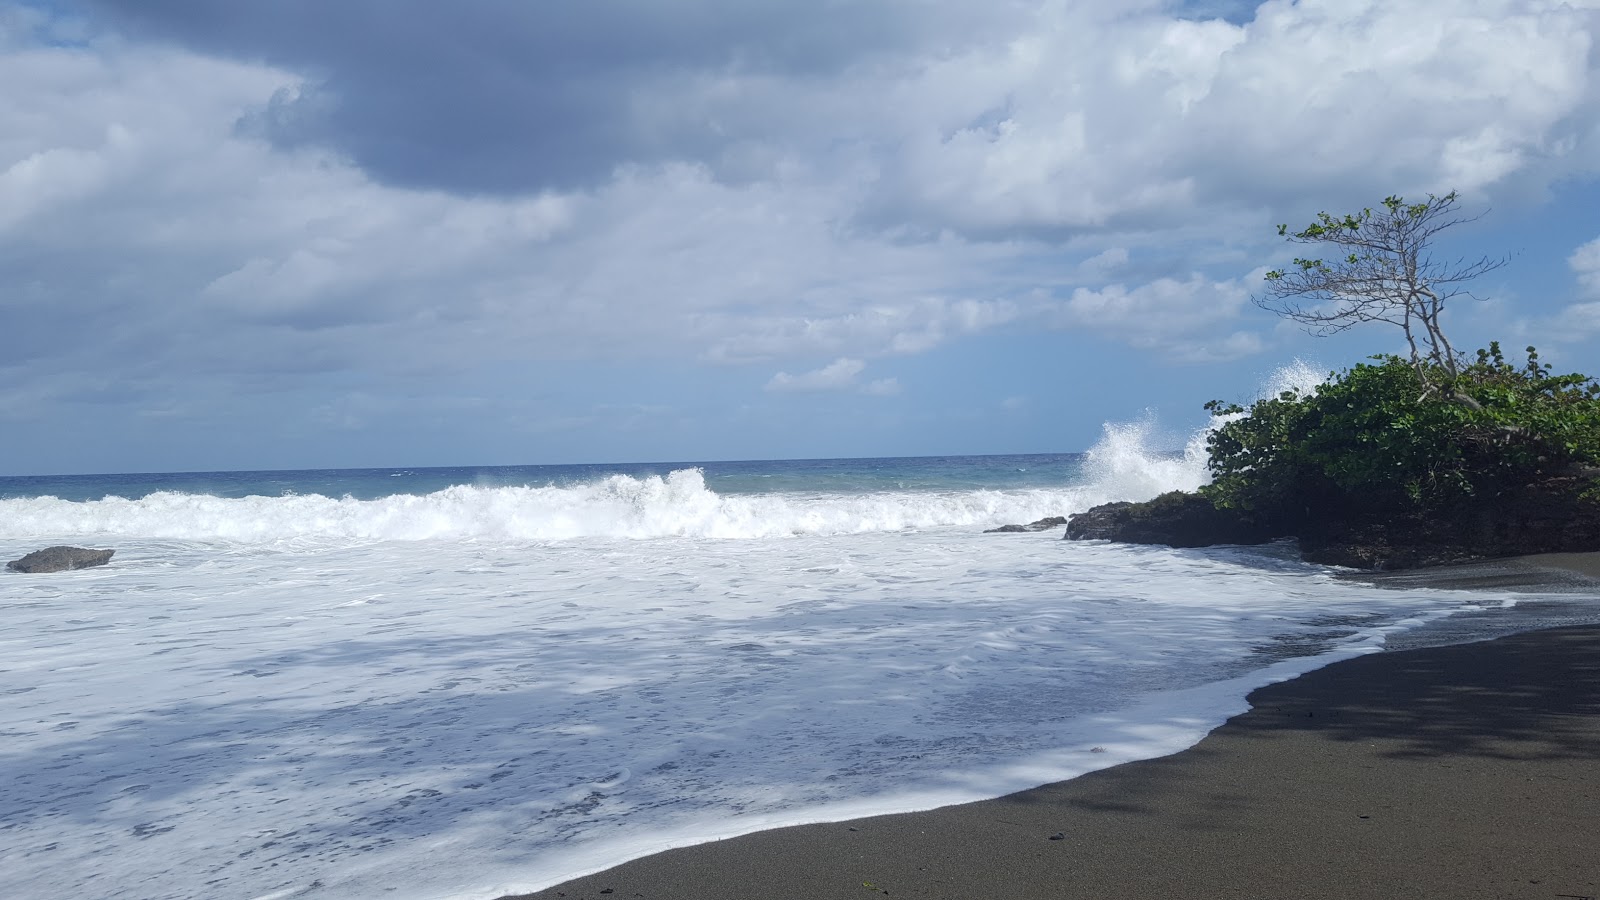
1130 463
1126 464
431 719
679 505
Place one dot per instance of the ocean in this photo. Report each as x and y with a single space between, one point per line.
457 683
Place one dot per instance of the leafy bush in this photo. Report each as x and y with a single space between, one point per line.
1388 435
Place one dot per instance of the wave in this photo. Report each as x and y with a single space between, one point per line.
619 506
1125 464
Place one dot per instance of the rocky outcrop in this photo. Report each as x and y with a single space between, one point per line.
1039 525
1553 516
1176 519
60 559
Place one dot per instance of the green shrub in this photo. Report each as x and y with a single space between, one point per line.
1387 434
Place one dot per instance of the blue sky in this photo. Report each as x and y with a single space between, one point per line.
284 233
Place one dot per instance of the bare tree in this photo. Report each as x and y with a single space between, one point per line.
1386 273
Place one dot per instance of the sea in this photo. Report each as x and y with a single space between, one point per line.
456 683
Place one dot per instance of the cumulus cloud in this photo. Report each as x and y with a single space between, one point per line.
977 118
481 95
1091 119
241 197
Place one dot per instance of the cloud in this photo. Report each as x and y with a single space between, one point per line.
1092 119
889 326
839 375
836 376
482 96
964 117
1576 321
201 200
1585 264
1169 316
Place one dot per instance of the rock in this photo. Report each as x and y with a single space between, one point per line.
1555 515
1040 525
60 559
1176 519
1550 516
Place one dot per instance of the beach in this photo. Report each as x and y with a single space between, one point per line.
1455 772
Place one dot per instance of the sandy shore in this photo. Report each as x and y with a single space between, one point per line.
1452 772
1582 563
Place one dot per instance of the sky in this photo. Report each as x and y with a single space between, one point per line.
274 234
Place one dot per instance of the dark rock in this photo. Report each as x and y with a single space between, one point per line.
1040 525
1176 519
60 559
1551 516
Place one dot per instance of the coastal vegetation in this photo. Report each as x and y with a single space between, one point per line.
1385 435
1402 460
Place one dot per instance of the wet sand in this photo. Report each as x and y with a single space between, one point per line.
1467 771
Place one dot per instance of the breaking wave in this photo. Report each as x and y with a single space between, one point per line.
1126 464
619 506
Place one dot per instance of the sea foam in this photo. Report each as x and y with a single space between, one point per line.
620 506
483 689
1123 466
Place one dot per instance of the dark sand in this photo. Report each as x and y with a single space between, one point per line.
1452 772
1582 563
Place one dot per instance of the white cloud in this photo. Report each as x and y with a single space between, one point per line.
836 376
1577 321
946 189
839 375
909 326
1237 345
1086 120
1173 318
1585 263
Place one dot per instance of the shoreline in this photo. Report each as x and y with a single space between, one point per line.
1464 770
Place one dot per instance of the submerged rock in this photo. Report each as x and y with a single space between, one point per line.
1038 525
60 559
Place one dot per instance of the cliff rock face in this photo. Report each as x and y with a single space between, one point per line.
60 559
1552 516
